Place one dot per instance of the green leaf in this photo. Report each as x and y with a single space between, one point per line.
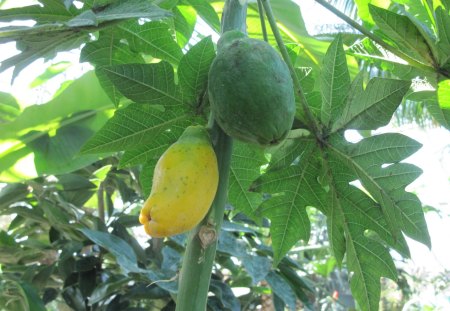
443 93
107 289
335 82
49 73
126 9
107 51
124 254
282 289
153 38
246 163
151 150
42 43
292 189
58 154
193 70
224 294
146 83
32 296
9 109
49 12
184 22
386 185
146 177
373 107
403 34
374 54
84 96
440 115
12 193
135 126
443 32
367 259
207 13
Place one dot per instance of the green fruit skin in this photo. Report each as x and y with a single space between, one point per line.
251 91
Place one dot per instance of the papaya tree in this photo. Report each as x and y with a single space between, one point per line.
266 166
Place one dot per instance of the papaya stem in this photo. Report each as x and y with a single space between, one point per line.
263 22
201 246
314 126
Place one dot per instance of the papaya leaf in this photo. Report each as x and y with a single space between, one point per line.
282 289
151 150
367 259
146 83
136 125
58 154
366 159
185 18
440 115
124 253
362 223
193 70
207 13
444 94
335 82
48 12
373 107
146 177
107 51
403 34
44 43
292 189
127 9
152 38
246 163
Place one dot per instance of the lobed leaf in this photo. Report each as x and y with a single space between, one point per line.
146 83
193 70
292 189
136 125
152 38
403 33
373 107
107 51
246 162
335 82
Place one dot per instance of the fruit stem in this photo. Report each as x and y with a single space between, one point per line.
263 22
202 241
314 126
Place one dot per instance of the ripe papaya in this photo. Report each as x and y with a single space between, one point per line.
251 90
184 184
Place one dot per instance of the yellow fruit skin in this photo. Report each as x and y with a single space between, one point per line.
184 185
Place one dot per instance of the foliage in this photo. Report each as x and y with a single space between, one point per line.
72 239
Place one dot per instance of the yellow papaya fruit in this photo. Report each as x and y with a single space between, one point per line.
184 184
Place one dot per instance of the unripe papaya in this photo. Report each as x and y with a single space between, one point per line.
184 185
251 90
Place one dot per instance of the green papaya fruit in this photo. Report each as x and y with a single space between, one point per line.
251 90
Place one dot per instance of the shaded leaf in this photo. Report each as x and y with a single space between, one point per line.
373 107
402 33
193 70
124 254
246 163
282 289
293 189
